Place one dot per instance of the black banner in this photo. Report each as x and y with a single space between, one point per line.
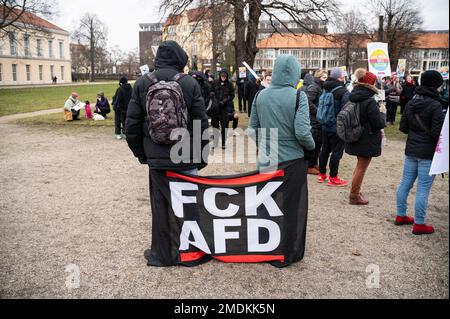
244 218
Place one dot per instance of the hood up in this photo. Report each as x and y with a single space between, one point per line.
286 71
171 55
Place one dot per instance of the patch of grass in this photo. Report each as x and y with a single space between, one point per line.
57 119
13 101
393 131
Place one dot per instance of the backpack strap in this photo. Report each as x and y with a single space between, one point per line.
336 88
152 77
297 101
421 124
178 77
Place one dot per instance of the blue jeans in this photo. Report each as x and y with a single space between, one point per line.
415 168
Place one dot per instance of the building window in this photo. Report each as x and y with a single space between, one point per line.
39 47
316 54
444 64
26 45
283 51
14 72
50 48
444 54
52 71
62 73
28 72
332 63
61 50
435 54
433 65
41 71
1 46
12 44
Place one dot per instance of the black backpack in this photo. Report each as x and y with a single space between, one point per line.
348 123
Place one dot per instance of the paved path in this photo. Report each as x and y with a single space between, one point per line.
7 118
57 85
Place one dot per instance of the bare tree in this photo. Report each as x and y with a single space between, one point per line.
247 14
131 62
402 21
23 15
92 32
80 58
352 32
116 56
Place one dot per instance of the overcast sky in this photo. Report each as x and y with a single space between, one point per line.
122 17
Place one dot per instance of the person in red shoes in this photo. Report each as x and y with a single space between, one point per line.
373 120
333 98
422 121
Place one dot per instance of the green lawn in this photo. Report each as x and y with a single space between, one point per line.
14 101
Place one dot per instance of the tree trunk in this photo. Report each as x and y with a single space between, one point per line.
92 51
239 42
252 31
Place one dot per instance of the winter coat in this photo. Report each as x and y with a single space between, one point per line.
373 121
70 103
393 91
170 60
421 144
103 105
251 88
314 91
123 97
224 94
274 107
341 97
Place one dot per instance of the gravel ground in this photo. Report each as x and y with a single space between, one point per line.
79 197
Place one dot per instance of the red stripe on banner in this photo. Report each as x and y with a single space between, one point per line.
186 257
249 258
228 181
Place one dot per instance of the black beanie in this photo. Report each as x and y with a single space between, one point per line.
123 80
431 79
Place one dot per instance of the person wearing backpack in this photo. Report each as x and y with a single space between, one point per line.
281 106
223 104
422 121
333 98
145 137
370 119
314 91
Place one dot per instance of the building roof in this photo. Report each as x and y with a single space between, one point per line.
193 15
29 18
426 40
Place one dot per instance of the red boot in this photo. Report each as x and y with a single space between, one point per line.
422 229
403 220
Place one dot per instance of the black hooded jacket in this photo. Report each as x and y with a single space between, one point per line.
224 93
170 60
420 143
314 91
373 121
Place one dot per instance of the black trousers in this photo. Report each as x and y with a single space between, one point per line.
391 111
241 98
75 115
317 136
333 150
220 121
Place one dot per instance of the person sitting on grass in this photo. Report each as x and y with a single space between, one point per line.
102 107
70 114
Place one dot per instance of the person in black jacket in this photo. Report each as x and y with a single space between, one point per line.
202 80
314 91
120 106
170 60
422 121
373 120
408 91
223 92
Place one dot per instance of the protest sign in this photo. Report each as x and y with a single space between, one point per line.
379 62
242 72
401 68
441 157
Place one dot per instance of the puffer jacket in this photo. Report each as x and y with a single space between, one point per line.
420 143
170 60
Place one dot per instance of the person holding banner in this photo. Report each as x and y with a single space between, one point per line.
422 122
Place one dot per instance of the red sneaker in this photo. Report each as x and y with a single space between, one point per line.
322 178
337 182
403 220
422 229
